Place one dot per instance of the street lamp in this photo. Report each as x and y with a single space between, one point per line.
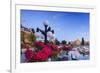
45 23
45 31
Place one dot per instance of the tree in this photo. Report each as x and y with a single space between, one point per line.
57 42
69 43
32 38
82 42
64 42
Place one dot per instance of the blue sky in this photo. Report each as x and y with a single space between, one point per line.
67 25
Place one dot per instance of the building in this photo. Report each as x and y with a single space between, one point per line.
77 42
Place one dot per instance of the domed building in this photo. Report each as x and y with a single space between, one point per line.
77 42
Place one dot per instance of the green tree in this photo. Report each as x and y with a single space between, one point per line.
32 38
64 42
82 42
69 43
57 42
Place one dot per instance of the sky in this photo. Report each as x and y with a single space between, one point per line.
67 26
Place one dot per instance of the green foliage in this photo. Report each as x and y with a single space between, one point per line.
57 42
82 42
69 43
32 38
64 42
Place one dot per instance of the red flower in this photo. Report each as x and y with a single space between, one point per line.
39 43
66 48
29 54
47 50
54 47
43 54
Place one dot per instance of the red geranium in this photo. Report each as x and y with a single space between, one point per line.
47 50
54 47
66 48
29 54
39 43
43 54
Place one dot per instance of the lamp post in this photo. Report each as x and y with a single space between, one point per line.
45 31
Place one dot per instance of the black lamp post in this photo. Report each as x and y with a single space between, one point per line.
45 31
